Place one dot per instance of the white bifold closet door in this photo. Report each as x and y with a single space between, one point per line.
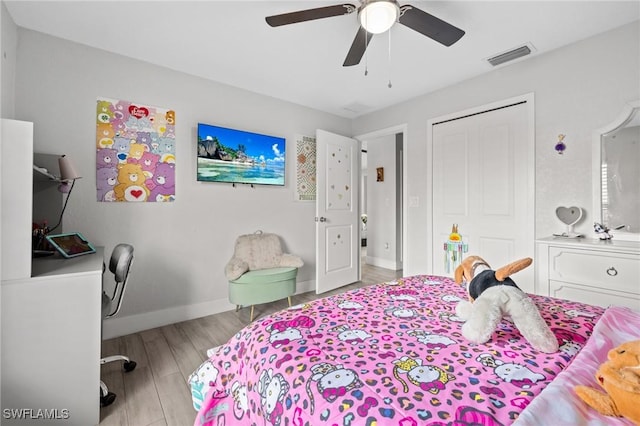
483 181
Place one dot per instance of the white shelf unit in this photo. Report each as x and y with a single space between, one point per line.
50 309
17 179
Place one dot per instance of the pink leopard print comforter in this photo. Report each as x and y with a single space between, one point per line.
388 354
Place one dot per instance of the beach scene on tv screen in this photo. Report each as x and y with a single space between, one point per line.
236 156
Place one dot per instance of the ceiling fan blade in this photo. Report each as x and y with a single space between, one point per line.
429 25
359 45
310 14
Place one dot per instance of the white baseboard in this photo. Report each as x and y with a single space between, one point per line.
123 325
384 263
305 286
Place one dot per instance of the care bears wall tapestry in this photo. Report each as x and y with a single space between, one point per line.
135 152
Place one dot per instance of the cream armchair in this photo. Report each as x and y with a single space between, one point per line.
259 272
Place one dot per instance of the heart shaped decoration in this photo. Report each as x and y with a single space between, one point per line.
138 112
569 215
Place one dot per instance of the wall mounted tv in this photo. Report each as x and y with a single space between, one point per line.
236 156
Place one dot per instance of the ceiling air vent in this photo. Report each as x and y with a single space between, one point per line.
510 55
356 107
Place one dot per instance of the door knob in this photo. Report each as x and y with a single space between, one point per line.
321 219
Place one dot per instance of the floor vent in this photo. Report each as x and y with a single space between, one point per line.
510 55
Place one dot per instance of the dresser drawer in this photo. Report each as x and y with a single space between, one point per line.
615 271
593 295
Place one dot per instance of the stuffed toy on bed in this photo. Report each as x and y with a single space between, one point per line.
492 295
619 376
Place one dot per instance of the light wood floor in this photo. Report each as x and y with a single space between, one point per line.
156 392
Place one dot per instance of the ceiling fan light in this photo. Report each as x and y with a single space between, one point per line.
378 16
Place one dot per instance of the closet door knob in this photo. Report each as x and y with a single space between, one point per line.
612 272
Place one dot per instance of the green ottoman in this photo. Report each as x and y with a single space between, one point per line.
263 286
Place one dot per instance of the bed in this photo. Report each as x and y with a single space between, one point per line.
393 354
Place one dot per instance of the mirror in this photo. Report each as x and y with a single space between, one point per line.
616 175
569 216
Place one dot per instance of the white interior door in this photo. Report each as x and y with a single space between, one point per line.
483 181
337 192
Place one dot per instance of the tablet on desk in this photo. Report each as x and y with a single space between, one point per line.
71 245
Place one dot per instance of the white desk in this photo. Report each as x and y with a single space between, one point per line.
51 343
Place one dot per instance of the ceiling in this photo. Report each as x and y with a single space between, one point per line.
230 42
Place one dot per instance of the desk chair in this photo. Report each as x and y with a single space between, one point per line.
119 265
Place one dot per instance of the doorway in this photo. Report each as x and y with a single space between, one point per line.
382 199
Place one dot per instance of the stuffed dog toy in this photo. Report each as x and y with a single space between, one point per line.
492 295
619 376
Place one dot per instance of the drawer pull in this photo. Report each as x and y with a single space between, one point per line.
612 272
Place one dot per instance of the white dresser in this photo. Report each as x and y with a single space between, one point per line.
587 270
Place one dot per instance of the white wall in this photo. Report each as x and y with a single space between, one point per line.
578 88
182 247
8 46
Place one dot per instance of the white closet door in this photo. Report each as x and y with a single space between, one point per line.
483 181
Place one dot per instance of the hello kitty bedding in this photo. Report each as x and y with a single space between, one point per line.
387 354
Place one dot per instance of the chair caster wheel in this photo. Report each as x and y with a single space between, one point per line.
107 399
129 366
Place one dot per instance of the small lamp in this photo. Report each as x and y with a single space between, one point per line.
68 176
377 16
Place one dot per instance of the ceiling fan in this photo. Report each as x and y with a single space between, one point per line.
375 16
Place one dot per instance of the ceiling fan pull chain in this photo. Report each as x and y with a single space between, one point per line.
366 65
389 85
366 43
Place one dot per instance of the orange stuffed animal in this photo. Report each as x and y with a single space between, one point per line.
619 376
